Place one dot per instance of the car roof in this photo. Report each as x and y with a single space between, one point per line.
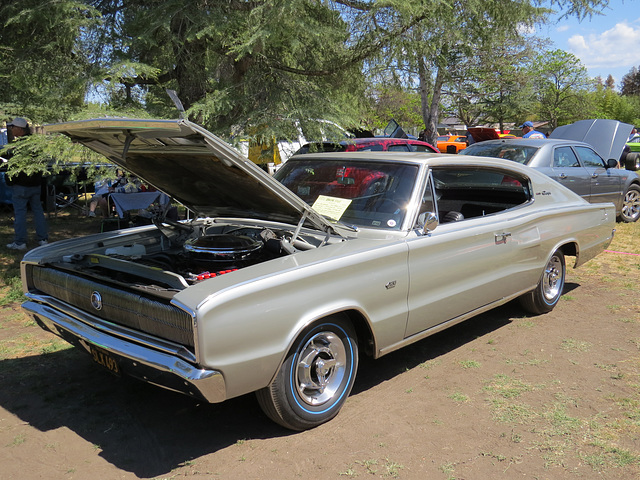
363 142
533 142
418 158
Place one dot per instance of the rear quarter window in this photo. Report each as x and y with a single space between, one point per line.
464 193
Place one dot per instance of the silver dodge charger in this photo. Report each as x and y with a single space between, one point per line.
278 285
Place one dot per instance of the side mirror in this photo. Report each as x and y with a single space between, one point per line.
427 222
612 163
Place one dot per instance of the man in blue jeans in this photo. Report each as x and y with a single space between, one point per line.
25 192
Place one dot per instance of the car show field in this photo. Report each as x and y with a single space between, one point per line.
502 395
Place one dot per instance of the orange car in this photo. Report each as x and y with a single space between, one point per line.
452 143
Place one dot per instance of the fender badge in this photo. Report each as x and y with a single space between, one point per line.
390 284
96 300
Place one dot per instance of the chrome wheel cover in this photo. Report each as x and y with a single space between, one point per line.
320 368
631 204
552 279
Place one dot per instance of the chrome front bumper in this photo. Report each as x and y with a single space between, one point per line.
139 359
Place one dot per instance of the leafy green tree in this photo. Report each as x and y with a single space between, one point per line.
260 68
43 70
438 49
494 83
607 103
561 84
389 102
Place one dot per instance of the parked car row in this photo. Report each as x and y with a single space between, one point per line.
394 139
578 165
280 283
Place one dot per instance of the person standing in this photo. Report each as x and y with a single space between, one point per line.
26 190
529 132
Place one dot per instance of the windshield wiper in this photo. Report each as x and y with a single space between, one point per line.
348 226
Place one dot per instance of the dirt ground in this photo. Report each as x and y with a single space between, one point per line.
500 396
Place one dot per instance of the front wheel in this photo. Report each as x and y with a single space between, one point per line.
631 204
549 289
316 377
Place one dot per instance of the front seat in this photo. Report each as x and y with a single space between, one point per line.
452 216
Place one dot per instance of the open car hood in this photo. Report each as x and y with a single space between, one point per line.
480 134
608 137
193 166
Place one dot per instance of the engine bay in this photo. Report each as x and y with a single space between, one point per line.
172 257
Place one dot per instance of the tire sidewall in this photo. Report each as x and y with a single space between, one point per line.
320 413
624 217
550 304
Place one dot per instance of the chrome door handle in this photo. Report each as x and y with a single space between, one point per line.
501 238
562 176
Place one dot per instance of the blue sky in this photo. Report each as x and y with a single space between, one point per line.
605 44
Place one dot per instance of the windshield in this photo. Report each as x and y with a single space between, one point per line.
508 151
364 193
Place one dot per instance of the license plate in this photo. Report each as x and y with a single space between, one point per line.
105 359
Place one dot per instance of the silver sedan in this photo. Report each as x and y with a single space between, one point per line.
576 165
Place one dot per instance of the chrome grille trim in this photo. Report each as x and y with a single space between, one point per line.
119 306
51 308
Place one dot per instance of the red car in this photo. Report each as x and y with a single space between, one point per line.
372 144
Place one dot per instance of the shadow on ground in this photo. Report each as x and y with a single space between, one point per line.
149 431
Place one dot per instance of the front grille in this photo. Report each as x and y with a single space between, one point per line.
118 306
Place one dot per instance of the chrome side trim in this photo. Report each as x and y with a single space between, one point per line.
136 360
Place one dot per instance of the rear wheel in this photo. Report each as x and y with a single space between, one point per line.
632 161
631 204
315 378
549 289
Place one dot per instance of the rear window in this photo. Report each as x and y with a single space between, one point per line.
509 151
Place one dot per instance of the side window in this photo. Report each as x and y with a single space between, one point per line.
420 148
372 148
589 157
470 192
398 148
564 157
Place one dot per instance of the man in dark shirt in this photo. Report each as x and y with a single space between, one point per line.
26 192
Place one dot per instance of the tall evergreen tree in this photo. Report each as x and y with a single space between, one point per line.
630 84
43 69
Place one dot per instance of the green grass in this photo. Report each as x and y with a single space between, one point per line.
573 345
507 387
470 364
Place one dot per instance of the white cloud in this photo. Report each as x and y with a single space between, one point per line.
616 47
563 28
